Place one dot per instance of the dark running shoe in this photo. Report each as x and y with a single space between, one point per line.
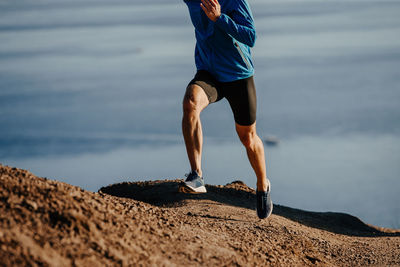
194 184
264 203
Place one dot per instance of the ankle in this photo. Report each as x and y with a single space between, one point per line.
199 172
263 185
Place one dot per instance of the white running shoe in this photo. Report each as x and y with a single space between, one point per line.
194 184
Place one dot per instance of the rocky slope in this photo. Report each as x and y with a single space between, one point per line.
50 223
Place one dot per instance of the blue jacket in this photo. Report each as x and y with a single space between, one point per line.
223 47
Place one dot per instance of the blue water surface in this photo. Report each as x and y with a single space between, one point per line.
91 91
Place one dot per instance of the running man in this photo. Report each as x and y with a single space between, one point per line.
224 34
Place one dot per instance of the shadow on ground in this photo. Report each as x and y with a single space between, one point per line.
165 194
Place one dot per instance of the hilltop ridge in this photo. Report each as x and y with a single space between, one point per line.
50 223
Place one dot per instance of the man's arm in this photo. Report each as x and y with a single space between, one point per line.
240 26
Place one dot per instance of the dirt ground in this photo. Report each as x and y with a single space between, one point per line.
49 223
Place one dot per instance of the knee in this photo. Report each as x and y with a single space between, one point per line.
248 139
191 101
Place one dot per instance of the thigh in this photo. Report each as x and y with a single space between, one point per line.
241 96
208 84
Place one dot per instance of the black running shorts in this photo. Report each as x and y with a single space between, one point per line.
241 95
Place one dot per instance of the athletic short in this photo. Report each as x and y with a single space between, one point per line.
241 95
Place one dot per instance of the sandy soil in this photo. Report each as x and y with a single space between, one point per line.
49 223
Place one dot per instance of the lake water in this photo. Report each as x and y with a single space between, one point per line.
90 94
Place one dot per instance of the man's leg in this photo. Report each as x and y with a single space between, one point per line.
194 101
255 152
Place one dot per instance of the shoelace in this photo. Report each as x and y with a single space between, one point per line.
263 200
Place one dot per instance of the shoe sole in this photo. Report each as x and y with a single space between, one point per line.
183 188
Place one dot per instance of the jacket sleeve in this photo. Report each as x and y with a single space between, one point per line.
239 25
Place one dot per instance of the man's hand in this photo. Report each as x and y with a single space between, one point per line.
212 9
